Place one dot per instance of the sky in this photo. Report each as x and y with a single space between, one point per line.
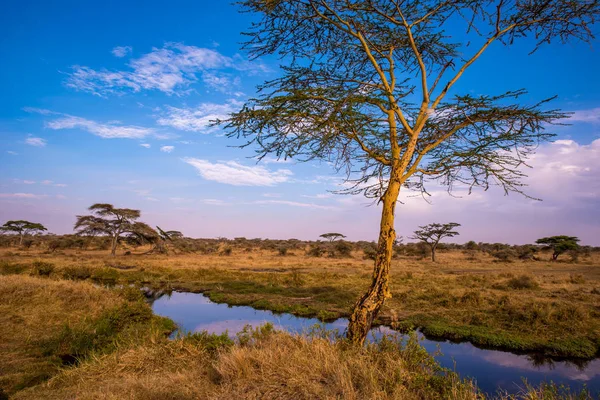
111 101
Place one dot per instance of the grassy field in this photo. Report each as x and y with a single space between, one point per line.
549 307
120 350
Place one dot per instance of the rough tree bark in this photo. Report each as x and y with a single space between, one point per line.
368 306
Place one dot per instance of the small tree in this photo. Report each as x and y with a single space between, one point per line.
332 236
23 228
559 244
433 233
111 221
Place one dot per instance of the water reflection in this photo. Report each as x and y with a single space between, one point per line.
491 369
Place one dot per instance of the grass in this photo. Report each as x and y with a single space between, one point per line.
523 306
123 352
45 324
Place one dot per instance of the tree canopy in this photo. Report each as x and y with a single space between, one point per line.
433 233
331 236
114 222
559 244
22 228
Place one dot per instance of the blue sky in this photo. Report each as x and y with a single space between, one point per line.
109 102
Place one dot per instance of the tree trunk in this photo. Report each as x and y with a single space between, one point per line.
21 239
113 251
368 306
433 253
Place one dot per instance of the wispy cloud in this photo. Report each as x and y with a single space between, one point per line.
591 116
233 173
104 130
109 130
12 153
198 119
146 145
170 69
23 195
121 51
167 149
295 204
36 141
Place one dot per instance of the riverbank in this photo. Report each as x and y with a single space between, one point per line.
532 306
124 352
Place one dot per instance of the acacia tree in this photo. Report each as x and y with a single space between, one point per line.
371 86
559 244
111 221
433 233
332 236
22 228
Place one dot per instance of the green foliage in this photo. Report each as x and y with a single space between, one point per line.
343 249
559 244
8 268
210 341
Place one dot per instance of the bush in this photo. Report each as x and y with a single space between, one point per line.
76 274
42 268
282 251
504 255
226 251
7 268
343 249
522 282
315 251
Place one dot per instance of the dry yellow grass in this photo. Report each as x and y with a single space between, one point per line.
544 306
33 310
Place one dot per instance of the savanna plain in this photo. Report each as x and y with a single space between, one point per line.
75 324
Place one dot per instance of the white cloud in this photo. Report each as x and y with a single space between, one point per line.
170 69
46 182
22 195
108 131
214 202
198 119
28 182
272 195
318 196
42 111
12 153
591 116
233 173
294 204
36 141
60 185
167 149
121 51
146 145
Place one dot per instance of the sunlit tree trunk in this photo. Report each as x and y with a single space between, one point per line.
113 251
368 306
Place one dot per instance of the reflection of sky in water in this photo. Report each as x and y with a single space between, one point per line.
491 369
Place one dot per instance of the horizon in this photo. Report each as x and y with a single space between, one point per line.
123 118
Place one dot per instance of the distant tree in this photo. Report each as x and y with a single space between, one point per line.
559 244
22 228
113 222
332 236
433 233
372 86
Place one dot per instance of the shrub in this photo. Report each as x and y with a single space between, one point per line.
343 249
315 251
370 252
576 278
76 274
504 255
522 282
282 251
42 268
226 251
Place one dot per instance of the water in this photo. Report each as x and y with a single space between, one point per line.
491 369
